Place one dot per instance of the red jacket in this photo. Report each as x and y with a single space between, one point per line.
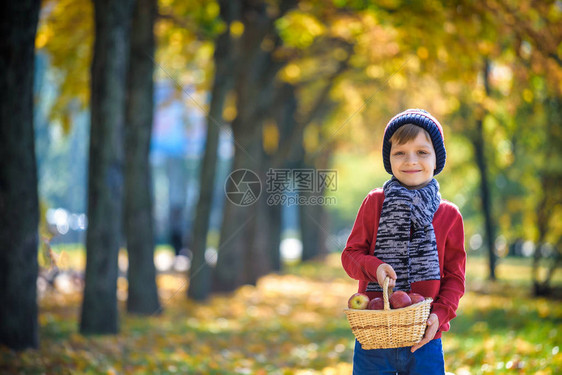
360 263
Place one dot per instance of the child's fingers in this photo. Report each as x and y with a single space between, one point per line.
432 320
432 327
391 282
391 273
383 271
419 344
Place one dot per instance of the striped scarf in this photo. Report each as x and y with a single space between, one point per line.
405 237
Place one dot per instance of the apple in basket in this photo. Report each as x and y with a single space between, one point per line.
416 298
376 304
400 299
358 301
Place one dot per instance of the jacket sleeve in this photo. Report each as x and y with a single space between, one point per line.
356 260
453 279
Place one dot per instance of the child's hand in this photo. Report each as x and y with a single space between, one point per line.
384 271
431 330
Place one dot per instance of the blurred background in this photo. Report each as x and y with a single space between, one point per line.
184 150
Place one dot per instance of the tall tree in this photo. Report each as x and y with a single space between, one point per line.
138 215
479 145
256 69
19 204
313 218
268 236
539 66
105 177
200 272
549 204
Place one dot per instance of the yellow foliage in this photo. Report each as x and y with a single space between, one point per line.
229 111
212 9
290 73
270 137
348 28
65 33
528 95
340 54
311 138
375 71
398 82
299 29
290 323
236 29
422 53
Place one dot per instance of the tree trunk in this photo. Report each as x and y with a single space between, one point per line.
313 218
105 178
266 255
485 197
480 154
258 252
200 273
284 113
273 239
313 223
139 222
239 219
318 214
312 213
308 217
19 206
309 230
258 255
239 260
555 264
550 180
177 197
544 212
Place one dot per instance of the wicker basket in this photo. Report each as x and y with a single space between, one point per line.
383 329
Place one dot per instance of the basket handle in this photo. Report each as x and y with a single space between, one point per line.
386 293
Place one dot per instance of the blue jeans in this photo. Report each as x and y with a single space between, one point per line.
427 360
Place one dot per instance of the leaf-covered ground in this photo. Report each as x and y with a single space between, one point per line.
290 324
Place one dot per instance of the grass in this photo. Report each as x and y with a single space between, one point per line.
500 328
292 323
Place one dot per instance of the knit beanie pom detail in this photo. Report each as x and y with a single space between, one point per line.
424 120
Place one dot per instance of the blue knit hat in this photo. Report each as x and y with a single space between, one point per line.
424 120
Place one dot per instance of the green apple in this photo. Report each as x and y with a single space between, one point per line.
358 301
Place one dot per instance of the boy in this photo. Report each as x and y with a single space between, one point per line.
406 232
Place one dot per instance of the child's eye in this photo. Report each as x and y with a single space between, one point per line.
398 153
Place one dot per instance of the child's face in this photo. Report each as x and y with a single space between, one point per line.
413 162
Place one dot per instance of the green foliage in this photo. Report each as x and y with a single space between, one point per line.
66 33
499 329
401 54
185 33
298 29
357 175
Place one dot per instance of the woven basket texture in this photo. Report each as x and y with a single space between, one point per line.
389 328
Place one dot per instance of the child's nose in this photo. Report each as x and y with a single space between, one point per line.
411 158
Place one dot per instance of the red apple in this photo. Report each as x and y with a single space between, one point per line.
358 301
400 299
416 298
376 304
